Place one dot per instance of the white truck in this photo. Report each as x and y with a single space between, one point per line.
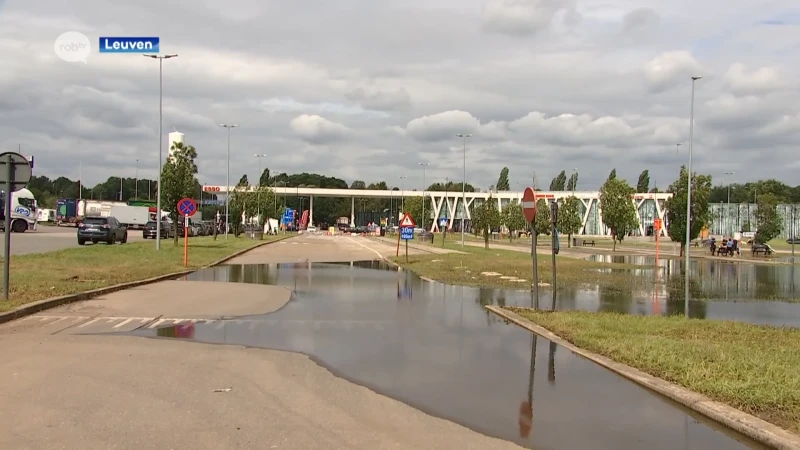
23 211
46 215
134 217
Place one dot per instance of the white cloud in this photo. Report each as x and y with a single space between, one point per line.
318 130
523 17
640 18
759 81
671 69
442 126
380 99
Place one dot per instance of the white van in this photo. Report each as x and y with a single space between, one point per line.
23 211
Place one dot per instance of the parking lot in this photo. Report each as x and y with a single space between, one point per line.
51 238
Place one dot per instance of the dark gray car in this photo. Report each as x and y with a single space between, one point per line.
102 229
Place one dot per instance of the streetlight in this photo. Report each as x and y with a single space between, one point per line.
258 192
228 181
424 169
136 188
728 208
678 148
403 192
689 199
160 59
464 185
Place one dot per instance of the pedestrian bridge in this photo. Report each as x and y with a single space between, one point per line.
450 205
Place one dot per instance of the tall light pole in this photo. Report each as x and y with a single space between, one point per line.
136 188
678 148
689 200
403 192
464 186
728 207
228 181
258 192
424 169
160 59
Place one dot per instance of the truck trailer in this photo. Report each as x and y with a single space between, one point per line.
133 217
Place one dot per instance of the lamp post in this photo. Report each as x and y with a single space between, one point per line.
160 59
678 148
424 170
403 192
136 188
275 192
689 200
728 207
228 181
258 192
464 186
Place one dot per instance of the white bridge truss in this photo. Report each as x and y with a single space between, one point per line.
450 206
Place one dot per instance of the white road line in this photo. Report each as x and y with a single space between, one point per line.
368 248
123 323
157 323
59 320
90 322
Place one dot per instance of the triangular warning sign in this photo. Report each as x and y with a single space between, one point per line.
407 221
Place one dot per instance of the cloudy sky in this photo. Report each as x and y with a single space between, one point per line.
368 89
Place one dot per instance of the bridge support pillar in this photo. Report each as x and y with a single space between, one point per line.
352 211
310 210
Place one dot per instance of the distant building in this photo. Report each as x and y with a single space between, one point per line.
174 137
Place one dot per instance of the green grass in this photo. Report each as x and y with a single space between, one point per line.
750 367
69 271
465 269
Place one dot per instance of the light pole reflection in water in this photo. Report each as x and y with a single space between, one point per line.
551 364
526 407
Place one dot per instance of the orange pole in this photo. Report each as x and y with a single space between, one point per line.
185 242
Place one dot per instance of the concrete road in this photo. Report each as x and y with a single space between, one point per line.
66 385
50 238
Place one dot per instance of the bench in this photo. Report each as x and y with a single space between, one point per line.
725 251
758 250
582 242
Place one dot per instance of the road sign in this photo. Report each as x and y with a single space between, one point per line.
443 222
19 172
187 207
406 233
657 224
407 221
529 204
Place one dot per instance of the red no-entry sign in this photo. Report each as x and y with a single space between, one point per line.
529 204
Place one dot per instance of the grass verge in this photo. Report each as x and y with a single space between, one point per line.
39 276
751 367
466 268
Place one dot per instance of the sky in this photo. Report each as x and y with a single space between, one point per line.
370 89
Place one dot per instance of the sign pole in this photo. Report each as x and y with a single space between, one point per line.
7 230
406 251
555 245
399 232
185 240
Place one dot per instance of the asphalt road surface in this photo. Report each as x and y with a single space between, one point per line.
50 238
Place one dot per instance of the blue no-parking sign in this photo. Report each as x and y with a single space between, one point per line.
187 207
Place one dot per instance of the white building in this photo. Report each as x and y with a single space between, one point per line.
174 137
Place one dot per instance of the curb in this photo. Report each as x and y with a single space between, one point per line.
41 305
757 429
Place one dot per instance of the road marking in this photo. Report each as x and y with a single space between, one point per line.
157 323
89 322
368 248
122 324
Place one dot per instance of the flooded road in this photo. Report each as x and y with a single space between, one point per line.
436 348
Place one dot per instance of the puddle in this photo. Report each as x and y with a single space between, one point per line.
434 347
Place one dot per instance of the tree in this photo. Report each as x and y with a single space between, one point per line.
178 180
264 179
675 206
612 175
767 219
243 181
643 185
358 184
559 182
513 217
542 225
573 182
569 217
486 218
619 212
502 182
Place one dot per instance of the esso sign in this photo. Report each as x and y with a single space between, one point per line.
211 188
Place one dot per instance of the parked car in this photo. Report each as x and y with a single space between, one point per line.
150 231
102 229
194 230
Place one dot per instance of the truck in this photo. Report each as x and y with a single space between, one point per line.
66 211
133 217
23 211
46 215
70 211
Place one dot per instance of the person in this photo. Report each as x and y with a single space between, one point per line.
730 247
736 247
713 245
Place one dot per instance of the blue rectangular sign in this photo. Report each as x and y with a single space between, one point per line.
407 233
129 45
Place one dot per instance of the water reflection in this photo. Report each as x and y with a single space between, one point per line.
718 279
439 350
